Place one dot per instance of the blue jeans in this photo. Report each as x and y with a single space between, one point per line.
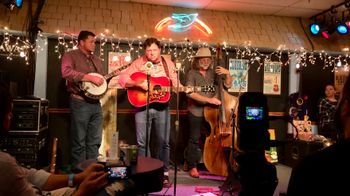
86 130
161 119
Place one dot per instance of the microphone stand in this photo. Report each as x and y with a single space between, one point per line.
231 183
147 112
177 124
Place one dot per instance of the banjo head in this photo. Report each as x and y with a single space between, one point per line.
92 89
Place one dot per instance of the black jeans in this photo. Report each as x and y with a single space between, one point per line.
193 152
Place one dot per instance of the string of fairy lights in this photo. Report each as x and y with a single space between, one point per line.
17 45
12 45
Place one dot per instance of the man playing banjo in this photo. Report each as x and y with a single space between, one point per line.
86 114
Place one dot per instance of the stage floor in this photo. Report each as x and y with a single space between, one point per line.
209 184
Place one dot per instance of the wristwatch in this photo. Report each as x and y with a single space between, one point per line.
70 180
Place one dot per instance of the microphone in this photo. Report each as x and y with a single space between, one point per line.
177 65
149 65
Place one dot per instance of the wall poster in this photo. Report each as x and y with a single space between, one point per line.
239 72
115 61
340 76
272 78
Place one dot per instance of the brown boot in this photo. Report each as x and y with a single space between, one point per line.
194 173
166 182
185 166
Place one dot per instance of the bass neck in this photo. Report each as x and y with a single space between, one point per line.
219 79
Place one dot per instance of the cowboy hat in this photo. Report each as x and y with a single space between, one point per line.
203 52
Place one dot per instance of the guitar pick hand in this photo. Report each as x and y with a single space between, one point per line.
96 80
143 85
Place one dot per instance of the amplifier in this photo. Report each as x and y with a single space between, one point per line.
31 151
30 116
297 150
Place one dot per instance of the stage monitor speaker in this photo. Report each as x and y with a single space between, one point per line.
29 116
31 151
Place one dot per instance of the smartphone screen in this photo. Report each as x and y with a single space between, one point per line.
254 113
117 173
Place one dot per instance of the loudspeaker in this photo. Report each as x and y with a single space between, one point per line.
298 149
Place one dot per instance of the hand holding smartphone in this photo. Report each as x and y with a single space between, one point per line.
117 173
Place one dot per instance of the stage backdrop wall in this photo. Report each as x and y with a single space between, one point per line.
59 123
314 79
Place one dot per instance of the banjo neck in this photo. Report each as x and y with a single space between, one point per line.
113 73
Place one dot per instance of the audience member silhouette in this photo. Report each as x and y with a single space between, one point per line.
326 172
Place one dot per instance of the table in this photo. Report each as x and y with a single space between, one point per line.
148 175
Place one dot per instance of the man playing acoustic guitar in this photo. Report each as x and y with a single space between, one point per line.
153 64
86 114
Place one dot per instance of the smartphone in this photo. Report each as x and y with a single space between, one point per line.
117 173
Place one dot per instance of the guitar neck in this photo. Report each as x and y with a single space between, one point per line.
175 89
188 88
170 89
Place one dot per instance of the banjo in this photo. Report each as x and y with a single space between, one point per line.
92 91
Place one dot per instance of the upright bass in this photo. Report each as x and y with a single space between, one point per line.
221 120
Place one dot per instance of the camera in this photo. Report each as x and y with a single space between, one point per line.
253 122
117 173
256 175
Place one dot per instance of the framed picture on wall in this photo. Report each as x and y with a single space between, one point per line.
115 61
340 76
272 78
239 72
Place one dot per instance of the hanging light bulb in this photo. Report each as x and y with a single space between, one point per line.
22 54
315 28
342 29
339 63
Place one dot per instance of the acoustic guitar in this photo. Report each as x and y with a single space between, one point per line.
160 90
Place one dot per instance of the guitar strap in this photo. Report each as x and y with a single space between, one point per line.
165 65
91 63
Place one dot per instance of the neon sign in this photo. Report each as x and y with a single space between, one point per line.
183 22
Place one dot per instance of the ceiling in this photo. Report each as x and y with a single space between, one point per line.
293 8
